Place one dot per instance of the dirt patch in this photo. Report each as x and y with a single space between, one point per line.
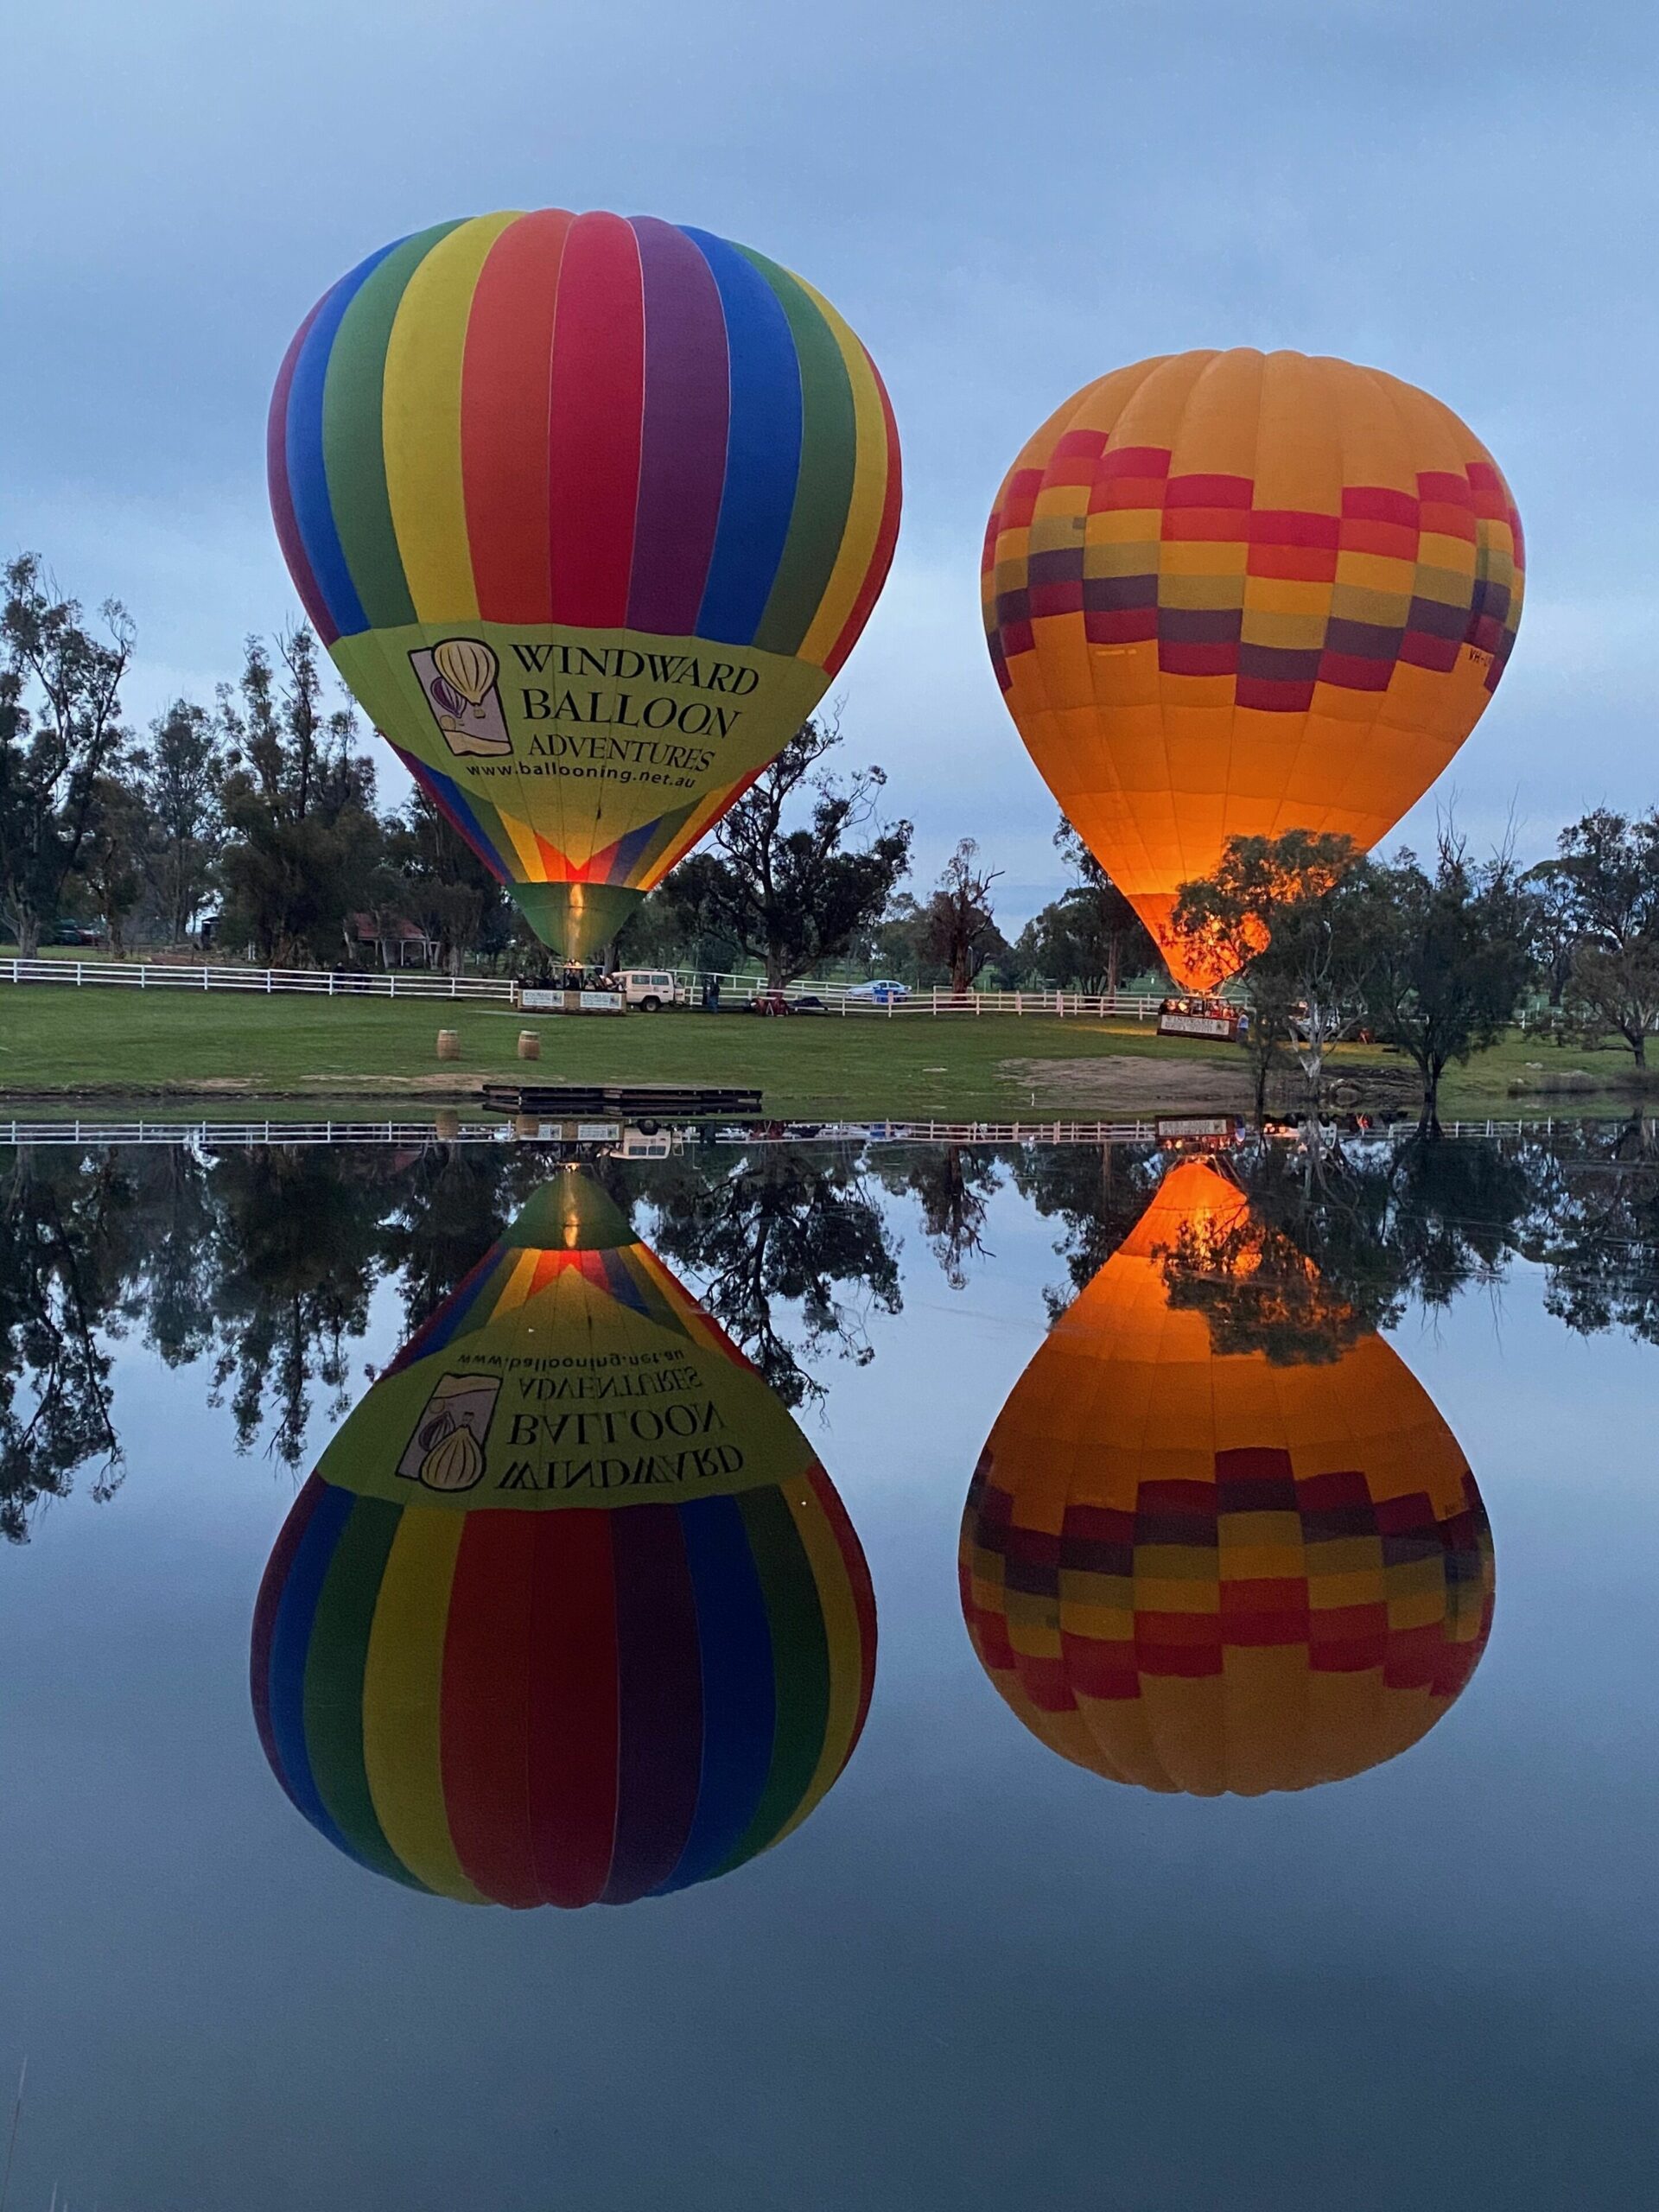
1579 1083
1136 1085
1130 1081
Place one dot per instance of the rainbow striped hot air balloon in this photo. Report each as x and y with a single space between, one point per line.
569 1611
1203 1572
588 512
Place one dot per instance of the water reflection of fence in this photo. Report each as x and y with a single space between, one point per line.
618 1134
633 1141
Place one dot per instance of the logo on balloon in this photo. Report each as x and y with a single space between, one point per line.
447 1450
458 679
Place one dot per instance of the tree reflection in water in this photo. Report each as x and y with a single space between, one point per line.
953 1184
261 1267
777 1228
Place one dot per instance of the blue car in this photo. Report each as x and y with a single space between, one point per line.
882 992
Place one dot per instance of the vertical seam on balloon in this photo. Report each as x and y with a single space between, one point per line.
393 665
1076 407
335 1504
753 526
306 446
731 401
683 320
498 335
416 1529
831 1580
851 559
353 434
856 1568
1094 707
1406 445
1208 370
266 1612
542 872
341 1633
1163 720
792 1579
421 403
594 832
887 537
280 490
782 625
1267 360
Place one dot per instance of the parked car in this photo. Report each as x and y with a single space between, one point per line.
647 989
882 992
76 933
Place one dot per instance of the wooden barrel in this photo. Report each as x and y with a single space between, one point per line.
449 1043
529 1044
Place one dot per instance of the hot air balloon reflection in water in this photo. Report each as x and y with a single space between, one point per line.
589 513
1230 594
569 1611
1203 1569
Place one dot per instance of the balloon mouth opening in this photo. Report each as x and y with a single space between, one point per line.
1192 966
576 920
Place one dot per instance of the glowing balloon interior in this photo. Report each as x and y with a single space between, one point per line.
569 1611
1208 1573
1232 595
588 512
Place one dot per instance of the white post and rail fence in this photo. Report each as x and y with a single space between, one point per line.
843 999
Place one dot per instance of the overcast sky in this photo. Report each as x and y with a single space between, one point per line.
1004 202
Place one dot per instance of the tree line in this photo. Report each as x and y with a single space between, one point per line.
1436 958
260 810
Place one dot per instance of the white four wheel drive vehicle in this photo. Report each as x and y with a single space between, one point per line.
647 989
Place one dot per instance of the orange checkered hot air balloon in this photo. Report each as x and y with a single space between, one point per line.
1204 1571
1234 593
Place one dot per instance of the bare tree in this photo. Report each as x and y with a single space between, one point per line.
958 927
794 896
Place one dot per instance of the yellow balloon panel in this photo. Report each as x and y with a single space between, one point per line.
580 750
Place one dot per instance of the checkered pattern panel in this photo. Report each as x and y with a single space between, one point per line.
1404 576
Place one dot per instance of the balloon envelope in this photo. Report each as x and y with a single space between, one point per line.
1205 1573
1230 594
651 475
569 1611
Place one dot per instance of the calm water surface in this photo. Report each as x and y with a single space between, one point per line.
1245 1853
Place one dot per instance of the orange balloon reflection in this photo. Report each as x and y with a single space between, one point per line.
1210 1571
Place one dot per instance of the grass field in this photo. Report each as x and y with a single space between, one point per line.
121 1041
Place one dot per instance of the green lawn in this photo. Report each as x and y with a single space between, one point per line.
120 1041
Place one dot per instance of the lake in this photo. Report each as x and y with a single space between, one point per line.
1076 1675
